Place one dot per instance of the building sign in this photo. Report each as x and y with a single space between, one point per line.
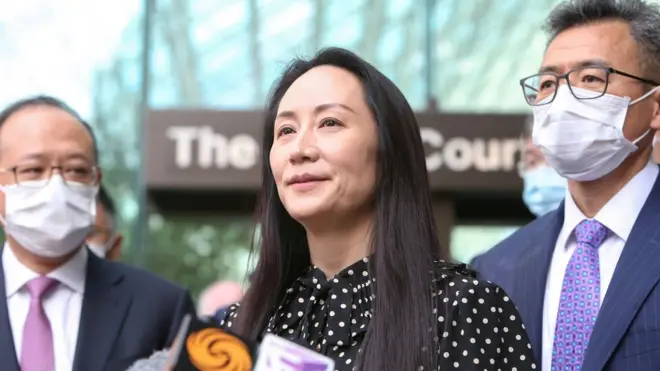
460 154
220 150
201 146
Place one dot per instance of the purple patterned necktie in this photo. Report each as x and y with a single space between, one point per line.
580 298
37 351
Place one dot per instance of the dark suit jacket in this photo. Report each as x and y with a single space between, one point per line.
127 313
626 336
220 314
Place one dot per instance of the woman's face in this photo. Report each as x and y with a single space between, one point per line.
323 156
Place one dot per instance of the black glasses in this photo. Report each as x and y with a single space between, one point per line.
37 176
591 83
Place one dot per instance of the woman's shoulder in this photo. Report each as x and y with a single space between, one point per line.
458 283
226 316
478 317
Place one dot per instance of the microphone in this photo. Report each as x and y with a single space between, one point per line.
159 361
278 354
203 346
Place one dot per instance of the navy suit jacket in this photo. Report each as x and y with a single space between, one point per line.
126 315
220 314
626 336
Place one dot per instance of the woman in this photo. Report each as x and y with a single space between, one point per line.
350 263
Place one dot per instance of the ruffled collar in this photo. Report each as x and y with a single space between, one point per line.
327 312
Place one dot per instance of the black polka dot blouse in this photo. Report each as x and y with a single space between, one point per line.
482 329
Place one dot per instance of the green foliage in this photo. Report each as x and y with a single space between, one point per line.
197 251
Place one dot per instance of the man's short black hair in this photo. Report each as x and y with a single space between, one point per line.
642 16
107 202
48 101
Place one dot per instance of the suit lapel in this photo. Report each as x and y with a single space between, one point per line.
531 273
7 350
635 275
103 311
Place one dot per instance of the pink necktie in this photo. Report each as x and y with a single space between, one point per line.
37 351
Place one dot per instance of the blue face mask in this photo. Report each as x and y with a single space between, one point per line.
544 190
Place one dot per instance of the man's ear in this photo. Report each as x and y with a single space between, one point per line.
655 119
656 147
114 253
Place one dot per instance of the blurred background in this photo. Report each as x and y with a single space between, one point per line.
113 60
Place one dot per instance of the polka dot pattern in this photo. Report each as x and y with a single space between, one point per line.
478 327
580 298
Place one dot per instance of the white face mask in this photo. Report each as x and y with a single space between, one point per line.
51 220
582 139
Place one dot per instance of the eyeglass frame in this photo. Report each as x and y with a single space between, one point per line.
13 169
608 71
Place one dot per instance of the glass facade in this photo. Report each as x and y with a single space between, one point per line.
226 54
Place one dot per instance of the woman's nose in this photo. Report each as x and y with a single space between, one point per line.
305 148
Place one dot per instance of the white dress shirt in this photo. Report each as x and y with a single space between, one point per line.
618 215
62 305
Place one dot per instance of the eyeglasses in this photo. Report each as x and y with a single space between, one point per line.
541 89
35 176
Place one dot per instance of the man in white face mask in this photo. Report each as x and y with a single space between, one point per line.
586 276
66 309
105 241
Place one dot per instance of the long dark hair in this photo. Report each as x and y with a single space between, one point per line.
405 240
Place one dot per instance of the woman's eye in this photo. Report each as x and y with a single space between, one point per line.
284 131
329 122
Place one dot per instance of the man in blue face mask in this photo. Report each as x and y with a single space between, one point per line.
544 189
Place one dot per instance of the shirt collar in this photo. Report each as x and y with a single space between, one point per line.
620 212
71 274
